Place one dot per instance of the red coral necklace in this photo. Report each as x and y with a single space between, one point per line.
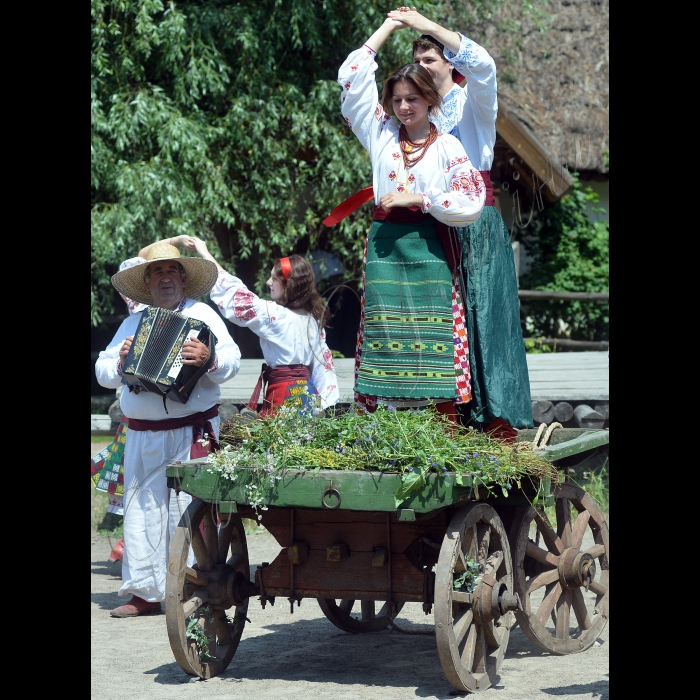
413 152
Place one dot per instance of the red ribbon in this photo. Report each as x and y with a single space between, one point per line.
286 266
349 205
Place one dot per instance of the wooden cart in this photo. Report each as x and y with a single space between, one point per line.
346 544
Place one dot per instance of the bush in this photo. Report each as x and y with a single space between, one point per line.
570 253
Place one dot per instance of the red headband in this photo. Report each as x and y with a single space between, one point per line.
286 267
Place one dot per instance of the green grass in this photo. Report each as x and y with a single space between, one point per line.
596 483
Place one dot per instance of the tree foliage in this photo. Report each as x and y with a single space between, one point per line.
570 253
221 120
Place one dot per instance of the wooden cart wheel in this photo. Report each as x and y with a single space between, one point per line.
473 628
340 614
206 591
558 570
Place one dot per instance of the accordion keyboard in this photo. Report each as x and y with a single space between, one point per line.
177 362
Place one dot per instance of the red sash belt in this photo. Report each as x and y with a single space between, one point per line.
273 375
490 199
200 426
399 215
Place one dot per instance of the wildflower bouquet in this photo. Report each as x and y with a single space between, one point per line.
412 443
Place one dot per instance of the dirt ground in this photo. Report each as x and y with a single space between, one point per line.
285 656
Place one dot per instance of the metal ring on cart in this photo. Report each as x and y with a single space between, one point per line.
331 490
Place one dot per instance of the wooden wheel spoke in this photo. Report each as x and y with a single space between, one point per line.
543 579
596 551
490 636
541 555
209 627
469 651
222 627
483 535
461 623
194 602
472 551
480 651
550 538
461 563
367 607
211 536
598 588
563 510
552 594
495 559
579 528
201 554
199 578
579 605
346 606
563 615
226 531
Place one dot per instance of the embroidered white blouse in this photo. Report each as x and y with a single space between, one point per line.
452 188
286 337
469 113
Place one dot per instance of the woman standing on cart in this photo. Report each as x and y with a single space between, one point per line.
414 348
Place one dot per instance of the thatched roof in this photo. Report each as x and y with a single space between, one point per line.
556 81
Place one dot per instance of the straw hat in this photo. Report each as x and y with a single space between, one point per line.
201 274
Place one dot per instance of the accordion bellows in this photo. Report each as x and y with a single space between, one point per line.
154 362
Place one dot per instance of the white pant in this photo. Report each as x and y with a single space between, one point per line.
152 511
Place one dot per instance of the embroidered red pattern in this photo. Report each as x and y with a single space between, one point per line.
467 183
243 305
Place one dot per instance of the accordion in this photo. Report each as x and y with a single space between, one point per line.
154 362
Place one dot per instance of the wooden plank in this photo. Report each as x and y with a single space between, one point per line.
593 439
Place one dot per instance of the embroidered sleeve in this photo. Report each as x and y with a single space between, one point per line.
476 65
119 367
214 365
461 201
244 305
323 373
360 105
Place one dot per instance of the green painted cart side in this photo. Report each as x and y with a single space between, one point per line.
350 490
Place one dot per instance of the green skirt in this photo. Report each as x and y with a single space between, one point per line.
500 381
407 343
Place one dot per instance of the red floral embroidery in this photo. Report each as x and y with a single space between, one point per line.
243 305
467 182
456 161
392 176
396 156
328 360
347 121
411 178
428 205
400 188
353 67
446 204
347 85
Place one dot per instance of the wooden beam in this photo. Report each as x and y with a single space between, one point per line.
523 141
536 294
